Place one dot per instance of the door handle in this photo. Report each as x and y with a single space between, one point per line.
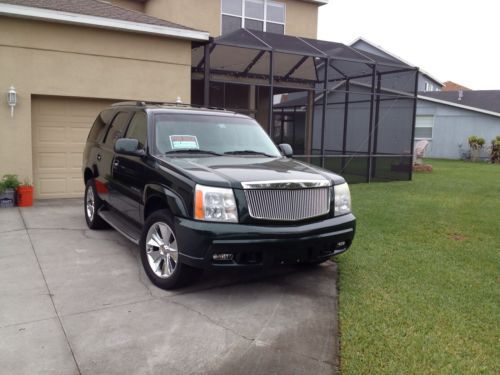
116 163
99 157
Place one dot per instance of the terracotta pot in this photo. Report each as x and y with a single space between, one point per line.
25 196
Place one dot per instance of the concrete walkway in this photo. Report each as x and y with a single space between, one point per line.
76 301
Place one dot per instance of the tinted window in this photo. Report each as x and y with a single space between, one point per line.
138 128
99 125
230 24
117 128
254 25
275 28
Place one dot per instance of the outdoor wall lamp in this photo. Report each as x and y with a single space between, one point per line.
12 99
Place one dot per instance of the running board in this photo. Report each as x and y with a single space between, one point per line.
122 225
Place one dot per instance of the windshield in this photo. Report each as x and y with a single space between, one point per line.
230 135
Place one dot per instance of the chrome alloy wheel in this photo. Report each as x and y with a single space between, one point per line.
90 203
161 250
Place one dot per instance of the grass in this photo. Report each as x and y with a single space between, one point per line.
420 287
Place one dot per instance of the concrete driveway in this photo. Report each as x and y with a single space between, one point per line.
76 301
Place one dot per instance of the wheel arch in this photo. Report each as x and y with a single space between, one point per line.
157 197
87 175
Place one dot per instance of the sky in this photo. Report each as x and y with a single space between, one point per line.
455 41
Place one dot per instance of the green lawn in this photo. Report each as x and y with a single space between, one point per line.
420 287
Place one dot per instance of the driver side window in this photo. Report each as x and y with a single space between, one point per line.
138 128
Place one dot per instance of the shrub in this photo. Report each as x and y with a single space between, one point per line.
495 150
476 143
10 181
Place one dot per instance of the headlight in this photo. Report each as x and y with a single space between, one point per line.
342 199
215 204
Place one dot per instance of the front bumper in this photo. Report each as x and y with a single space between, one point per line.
259 245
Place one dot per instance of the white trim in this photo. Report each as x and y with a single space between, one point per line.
363 39
100 22
452 104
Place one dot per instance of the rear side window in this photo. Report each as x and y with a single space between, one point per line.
138 128
99 125
117 128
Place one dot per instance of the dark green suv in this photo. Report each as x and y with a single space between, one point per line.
199 188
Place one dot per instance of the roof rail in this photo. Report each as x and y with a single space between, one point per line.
173 104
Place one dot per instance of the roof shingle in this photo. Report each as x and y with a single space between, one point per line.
483 99
96 8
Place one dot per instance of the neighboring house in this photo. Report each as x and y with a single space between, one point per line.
447 118
452 86
448 113
426 82
68 59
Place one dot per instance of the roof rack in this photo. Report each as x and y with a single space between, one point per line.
172 104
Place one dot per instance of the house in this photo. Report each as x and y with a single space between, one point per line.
67 59
448 113
426 82
447 118
453 86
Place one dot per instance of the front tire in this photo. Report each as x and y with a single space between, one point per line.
92 204
160 253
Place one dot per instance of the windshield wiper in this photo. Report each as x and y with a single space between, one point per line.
192 151
247 152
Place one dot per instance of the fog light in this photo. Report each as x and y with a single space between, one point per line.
341 244
222 256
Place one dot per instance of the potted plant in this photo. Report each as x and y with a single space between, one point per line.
25 194
476 144
8 186
495 150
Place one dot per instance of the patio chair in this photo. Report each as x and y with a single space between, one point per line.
419 151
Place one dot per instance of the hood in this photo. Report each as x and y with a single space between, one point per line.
231 171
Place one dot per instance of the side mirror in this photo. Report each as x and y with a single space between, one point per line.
128 146
286 149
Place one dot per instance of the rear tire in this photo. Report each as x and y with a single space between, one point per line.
91 206
160 253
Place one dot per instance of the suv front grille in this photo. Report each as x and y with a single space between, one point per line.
288 204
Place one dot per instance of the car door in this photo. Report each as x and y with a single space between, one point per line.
92 154
105 155
129 171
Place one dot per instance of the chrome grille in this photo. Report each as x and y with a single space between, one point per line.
288 204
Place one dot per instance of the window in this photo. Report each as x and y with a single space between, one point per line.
100 124
138 128
262 15
423 127
117 128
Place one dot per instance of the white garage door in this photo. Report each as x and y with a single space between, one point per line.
60 127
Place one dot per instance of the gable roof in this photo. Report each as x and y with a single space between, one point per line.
453 86
484 101
394 56
97 13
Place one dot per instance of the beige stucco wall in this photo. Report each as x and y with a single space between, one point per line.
301 17
41 58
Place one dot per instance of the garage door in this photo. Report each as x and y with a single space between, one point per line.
60 127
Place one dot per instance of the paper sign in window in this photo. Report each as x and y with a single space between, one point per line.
184 142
